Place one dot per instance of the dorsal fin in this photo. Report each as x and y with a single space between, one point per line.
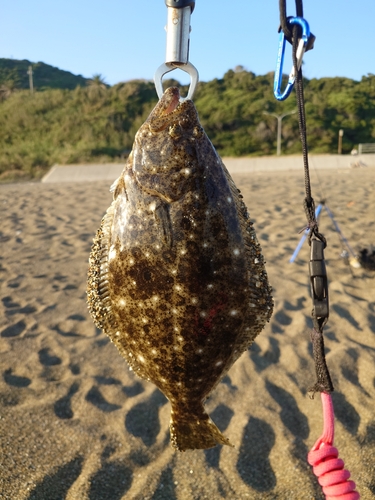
98 298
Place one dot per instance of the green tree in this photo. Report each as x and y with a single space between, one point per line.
97 123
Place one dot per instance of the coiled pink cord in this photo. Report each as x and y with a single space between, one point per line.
328 468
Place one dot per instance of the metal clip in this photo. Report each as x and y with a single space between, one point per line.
166 68
178 39
301 49
318 280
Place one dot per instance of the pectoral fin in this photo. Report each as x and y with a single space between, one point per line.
163 220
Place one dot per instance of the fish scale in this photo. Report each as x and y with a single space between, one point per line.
176 275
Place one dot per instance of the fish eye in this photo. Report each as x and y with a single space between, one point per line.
147 275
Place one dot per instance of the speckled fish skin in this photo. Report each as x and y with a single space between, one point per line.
176 276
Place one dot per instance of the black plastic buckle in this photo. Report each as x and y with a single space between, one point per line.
318 280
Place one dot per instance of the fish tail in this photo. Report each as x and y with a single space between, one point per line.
194 430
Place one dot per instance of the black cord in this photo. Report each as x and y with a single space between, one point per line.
309 203
324 382
284 19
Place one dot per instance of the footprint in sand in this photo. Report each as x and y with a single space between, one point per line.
349 366
139 458
346 413
101 342
22 310
15 282
63 406
344 313
14 330
253 464
74 325
271 356
75 369
222 416
77 317
282 318
143 420
56 486
112 481
298 307
228 382
70 287
102 380
133 390
65 333
15 380
95 397
369 437
165 488
61 279
8 302
293 419
108 451
129 391
330 334
47 359
13 308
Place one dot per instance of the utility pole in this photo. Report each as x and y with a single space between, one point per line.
31 83
339 148
279 120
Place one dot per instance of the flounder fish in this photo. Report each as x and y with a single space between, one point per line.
176 275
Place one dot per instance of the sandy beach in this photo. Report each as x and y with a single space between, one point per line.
76 424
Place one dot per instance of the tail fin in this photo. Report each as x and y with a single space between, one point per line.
194 430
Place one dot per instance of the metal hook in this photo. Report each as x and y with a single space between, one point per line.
301 49
166 68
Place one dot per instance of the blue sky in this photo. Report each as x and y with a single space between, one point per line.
125 39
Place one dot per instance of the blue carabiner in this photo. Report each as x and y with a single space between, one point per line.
280 59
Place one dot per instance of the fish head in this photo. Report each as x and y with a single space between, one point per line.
170 114
164 157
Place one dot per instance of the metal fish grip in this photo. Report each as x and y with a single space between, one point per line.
177 49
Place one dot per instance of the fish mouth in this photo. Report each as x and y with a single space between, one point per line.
171 111
173 102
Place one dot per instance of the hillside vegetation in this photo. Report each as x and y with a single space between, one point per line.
97 123
14 73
